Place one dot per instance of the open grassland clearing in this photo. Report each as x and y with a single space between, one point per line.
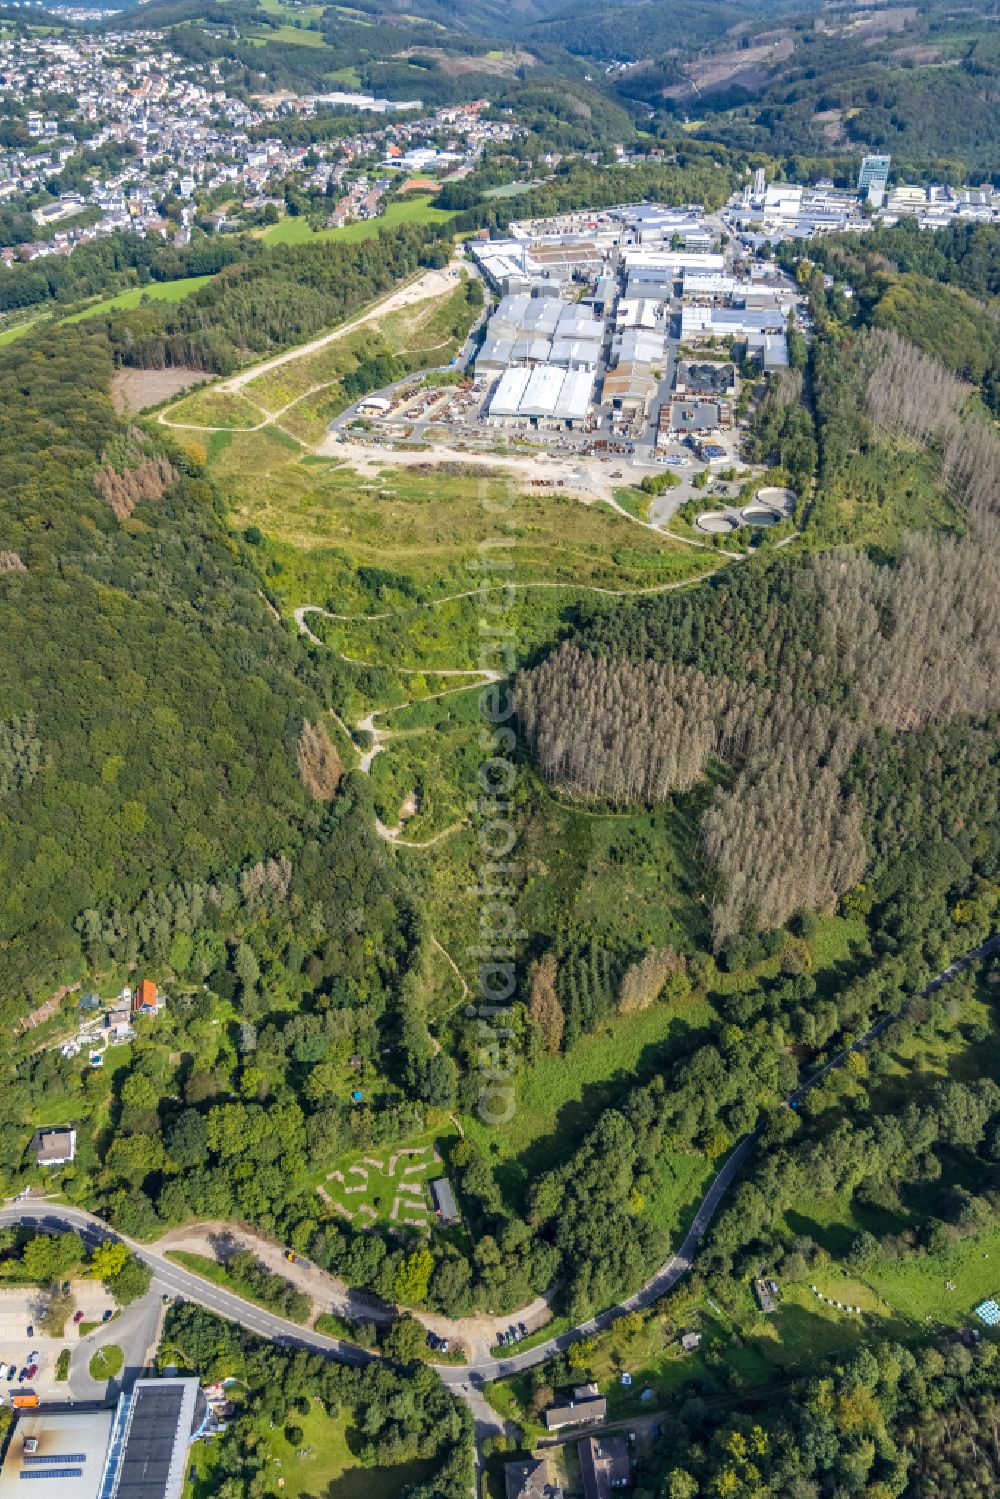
215 408
326 1461
427 524
304 391
414 209
430 327
154 291
427 774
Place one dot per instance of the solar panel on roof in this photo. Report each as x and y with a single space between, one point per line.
988 1312
50 1473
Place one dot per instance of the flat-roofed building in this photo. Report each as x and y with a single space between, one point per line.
769 349
675 262
63 1453
695 417
638 312
153 1426
783 200
730 322
709 286
655 285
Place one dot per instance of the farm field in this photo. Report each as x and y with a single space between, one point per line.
156 291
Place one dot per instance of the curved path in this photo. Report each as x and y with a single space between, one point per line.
462 1379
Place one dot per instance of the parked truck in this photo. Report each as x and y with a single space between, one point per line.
24 1402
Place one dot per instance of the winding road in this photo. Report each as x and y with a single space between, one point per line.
466 1380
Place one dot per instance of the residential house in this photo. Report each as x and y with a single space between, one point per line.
146 1000
54 1147
577 1413
604 1466
530 1480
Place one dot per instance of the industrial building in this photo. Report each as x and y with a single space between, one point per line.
708 380
637 346
544 396
136 1451
629 389
731 322
540 330
63 1451
671 262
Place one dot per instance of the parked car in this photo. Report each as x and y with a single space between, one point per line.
11 1372
30 1332
522 1329
444 1345
432 1341
31 1371
291 1256
516 1336
77 1316
108 1314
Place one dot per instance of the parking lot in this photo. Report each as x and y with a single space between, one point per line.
21 1308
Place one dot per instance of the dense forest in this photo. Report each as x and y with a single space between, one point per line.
889 1422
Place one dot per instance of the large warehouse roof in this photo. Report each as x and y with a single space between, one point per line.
66 1448
510 389
545 391
574 397
542 391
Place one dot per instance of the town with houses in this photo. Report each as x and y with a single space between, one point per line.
184 141
183 138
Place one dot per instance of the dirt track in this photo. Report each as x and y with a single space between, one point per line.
430 284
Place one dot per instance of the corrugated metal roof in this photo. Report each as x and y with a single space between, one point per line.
542 391
574 398
510 389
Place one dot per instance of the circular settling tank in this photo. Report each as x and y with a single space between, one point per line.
782 500
716 521
760 515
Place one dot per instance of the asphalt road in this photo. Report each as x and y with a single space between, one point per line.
465 1380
